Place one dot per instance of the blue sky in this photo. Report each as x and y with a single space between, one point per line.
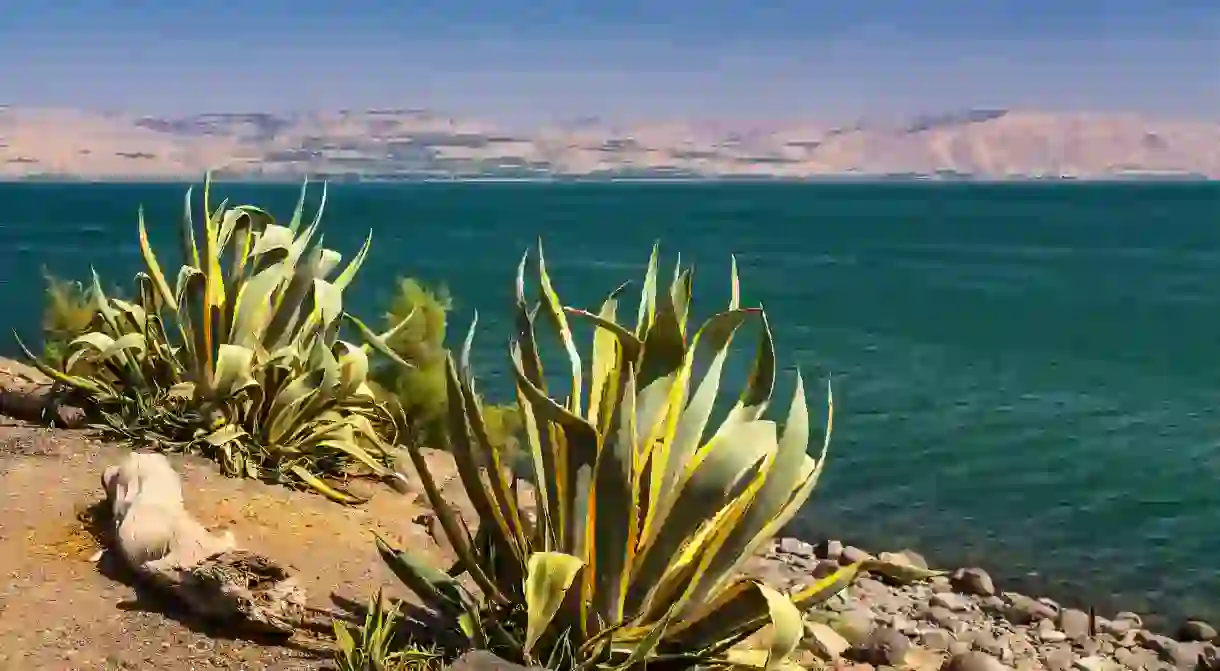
541 60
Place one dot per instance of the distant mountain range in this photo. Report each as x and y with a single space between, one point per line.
403 144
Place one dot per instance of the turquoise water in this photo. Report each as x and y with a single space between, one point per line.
1026 376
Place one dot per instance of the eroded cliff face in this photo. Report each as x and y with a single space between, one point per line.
370 144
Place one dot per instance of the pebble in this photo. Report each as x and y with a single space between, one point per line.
973 661
1196 630
973 581
885 646
959 621
853 555
1074 623
824 641
949 600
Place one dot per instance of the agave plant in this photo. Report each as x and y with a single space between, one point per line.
644 517
241 359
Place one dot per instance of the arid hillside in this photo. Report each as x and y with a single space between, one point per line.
403 144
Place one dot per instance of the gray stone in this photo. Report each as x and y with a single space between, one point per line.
823 568
1074 623
1049 603
852 555
829 549
1093 663
987 643
854 625
1059 658
940 583
936 639
1115 627
1183 655
795 546
950 600
974 581
943 617
915 559
973 661
824 641
481 660
1023 610
959 648
1196 630
885 646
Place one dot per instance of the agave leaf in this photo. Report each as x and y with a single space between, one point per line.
788 479
615 520
455 529
604 361
551 306
154 268
349 273
436 588
713 480
548 577
324 489
740 610
902 573
234 365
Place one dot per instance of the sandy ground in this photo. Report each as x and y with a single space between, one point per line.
59 610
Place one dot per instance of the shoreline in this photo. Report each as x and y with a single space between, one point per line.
964 620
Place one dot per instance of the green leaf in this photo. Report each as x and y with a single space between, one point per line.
548 577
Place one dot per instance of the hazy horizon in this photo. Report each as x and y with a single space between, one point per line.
529 63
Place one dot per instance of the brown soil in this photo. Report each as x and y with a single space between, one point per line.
59 610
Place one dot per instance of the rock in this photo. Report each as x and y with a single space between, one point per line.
904 558
1115 627
943 617
1093 663
936 639
896 558
823 568
886 646
481 660
854 625
922 659
1052 635
959 648
824 641
974 581
1059 659
1074 623
1021 609
955 602
1133 618
1049 603
829 549
973 661
986 642
940 583
852 555
1196 630
797 547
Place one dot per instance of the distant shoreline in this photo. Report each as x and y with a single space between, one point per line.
829 179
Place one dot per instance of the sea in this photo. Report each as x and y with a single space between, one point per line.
1026 376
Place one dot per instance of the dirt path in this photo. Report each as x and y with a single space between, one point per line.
59 611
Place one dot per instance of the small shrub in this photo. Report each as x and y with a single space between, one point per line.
67 313
421 389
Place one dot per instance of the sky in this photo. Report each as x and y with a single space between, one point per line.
528 62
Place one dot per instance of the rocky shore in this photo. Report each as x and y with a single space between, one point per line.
962 620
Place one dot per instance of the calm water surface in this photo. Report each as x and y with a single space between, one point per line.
1026 376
